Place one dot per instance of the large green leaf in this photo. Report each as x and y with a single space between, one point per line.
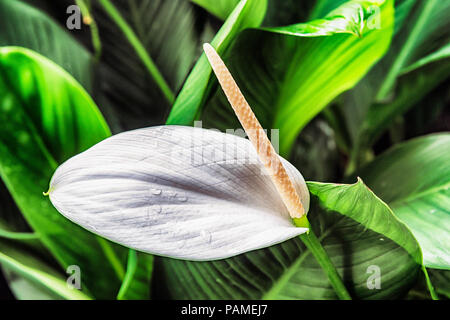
44 277
362 205
121 85
289 74
414 179
247 14
289 271
46 118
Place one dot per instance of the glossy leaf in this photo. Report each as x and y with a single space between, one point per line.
414 179
289 271
46 117
362 205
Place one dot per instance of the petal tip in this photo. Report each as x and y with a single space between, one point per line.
47 193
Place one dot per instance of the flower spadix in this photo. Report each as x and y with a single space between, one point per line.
184 192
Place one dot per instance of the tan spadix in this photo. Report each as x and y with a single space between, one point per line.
257 136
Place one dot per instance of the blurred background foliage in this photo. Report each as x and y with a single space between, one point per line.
353 91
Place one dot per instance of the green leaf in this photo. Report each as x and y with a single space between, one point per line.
25 264
127 102
220 8
289 271
247 14
349 18
136 283
440 54
43 35
47 117
289 74
356 201
414 179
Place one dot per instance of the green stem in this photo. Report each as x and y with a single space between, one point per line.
18 235
313 244
131 270
96 43
433 293
112 257
139 48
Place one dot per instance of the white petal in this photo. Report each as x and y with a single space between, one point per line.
182 192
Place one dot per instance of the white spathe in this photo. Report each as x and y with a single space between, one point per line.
182 192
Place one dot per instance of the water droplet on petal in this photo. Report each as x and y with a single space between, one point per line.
206 236
155 191
181 198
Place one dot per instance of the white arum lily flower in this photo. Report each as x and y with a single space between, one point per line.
186 192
